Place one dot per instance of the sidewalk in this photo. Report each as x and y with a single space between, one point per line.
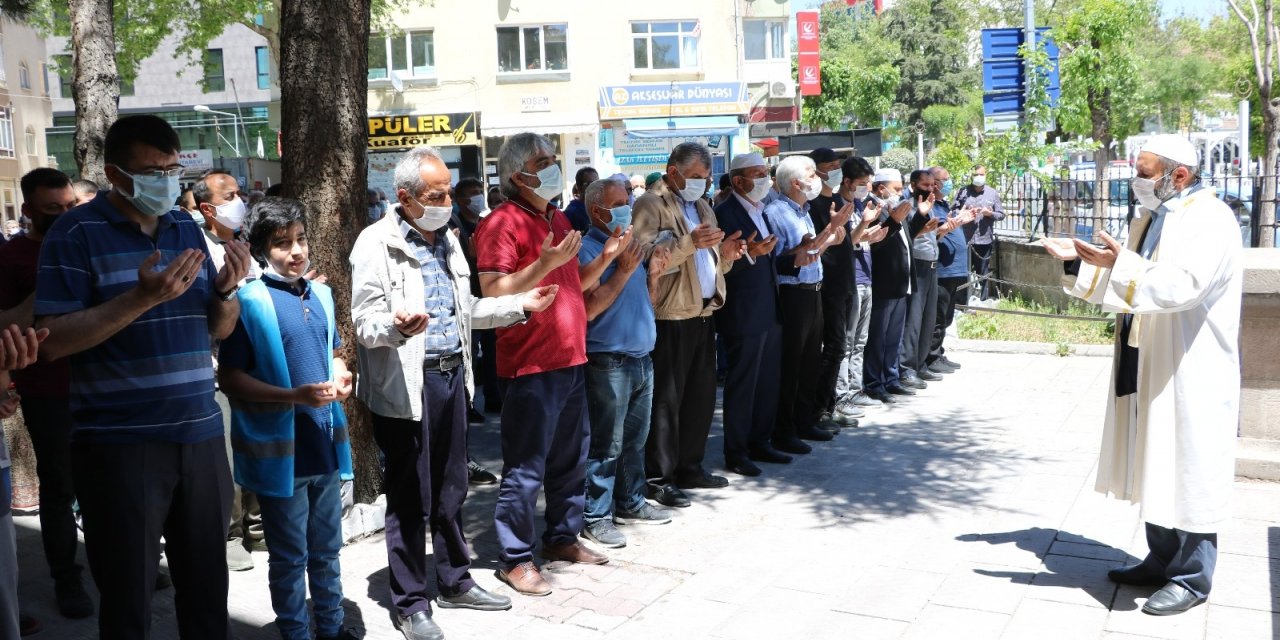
966 513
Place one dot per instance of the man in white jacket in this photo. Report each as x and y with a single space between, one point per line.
1173 411
413 310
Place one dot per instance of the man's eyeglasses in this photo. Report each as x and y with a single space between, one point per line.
173 172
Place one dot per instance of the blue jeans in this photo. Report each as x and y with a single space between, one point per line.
304 535
619 401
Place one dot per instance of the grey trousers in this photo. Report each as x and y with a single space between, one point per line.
246 516
849 375
1185 558
8 571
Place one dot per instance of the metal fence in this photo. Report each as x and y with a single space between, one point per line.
1080 203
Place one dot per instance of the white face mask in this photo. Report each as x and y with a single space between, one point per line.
230 214
811 188
861 193
432 218
834 177
979 181
693 188
551 182
760 188
1145 190
478 204
271 273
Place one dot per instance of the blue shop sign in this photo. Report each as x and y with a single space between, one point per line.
667 99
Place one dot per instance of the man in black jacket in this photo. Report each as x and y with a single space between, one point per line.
891 278
749 322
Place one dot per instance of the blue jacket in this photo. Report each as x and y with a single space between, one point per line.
262 433
751 290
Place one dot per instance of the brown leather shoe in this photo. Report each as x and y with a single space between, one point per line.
525 578
573 552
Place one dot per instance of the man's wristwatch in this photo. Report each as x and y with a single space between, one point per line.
226 297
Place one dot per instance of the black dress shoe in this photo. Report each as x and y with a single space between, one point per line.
926 374
704 481
671 496
743 468
420 626
791 445
813 432
1171 600
899 390
913 382
768 454
474 417
884 398
1138 575
477 598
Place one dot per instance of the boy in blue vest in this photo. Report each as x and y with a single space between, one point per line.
288 432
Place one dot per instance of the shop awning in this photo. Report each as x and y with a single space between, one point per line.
497 125
686 127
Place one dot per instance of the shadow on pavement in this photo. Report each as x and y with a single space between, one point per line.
1084 570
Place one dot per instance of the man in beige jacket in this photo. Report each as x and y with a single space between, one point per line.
674 214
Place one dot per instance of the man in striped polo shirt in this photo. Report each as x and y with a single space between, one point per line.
126 287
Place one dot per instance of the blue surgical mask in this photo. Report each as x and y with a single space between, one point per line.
946 188
621 217
551 182
152 195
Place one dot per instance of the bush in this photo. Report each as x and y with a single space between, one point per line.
899 158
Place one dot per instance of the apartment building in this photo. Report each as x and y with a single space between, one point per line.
25 111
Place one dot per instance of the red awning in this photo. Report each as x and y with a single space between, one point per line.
788 113
766 143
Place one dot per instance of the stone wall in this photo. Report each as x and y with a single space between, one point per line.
1029 268
1258 455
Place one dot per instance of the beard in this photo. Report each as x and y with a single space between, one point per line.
41 223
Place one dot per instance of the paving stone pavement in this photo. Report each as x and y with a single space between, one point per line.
967 512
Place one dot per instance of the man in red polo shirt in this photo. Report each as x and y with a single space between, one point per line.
526 243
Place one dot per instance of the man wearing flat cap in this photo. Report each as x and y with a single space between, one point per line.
1174 404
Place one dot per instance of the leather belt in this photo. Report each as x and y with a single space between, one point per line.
443 363
817 286
933 264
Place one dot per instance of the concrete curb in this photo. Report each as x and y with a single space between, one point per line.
1010 346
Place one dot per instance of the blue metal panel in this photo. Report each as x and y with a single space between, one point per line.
998 44
1001 75
1005 102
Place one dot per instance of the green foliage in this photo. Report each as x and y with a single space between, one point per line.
957 160
859 79
899 158
935 61
1062 332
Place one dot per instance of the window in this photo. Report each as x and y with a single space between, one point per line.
410 55
7 149
31 141
214 78
264 67
126 87
24 75
533 49
764 39
44 76
62 64
3 81
665 45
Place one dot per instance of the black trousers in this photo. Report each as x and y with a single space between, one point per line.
949 295
751 392
426 483
982 265
486 367
837 321
48 422
921 313
1183 557
130 496
684 399
801 348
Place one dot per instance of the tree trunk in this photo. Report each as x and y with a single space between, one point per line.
323 99
1266 209
95 83
1100 112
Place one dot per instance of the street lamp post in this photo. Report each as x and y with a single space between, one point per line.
204 108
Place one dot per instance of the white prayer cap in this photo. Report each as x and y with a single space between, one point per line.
887 174
1173 147
746 161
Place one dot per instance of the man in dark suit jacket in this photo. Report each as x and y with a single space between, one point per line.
749 322
891 277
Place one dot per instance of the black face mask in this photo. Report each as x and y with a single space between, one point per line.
42 222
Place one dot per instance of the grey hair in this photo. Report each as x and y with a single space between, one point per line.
792 168
686 153
595 191
515 152
409 169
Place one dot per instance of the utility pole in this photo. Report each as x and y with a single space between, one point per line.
1029 40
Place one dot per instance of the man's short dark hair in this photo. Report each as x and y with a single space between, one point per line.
201 191
918 174
43 178
276 189
467 183
266 218
580 178
149 130
726 181
855 167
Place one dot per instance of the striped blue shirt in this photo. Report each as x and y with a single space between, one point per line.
433 259
791 223
152 381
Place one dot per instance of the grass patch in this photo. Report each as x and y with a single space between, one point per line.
979 324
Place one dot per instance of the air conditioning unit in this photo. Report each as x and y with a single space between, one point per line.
782 89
